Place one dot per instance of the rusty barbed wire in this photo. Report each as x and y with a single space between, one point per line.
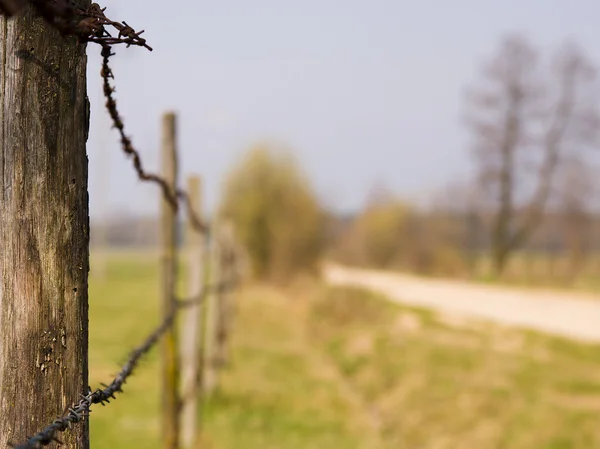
126 144
171 195
81 409
90 24
70 18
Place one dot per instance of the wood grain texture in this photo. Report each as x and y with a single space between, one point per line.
44 229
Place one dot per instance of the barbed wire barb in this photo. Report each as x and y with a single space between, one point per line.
89 24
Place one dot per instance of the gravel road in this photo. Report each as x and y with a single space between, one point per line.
571 315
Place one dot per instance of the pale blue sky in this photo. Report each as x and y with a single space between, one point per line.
362 91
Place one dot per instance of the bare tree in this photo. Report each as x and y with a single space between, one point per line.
525 118
460 201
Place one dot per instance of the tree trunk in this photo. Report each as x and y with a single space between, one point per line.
500 259
44 229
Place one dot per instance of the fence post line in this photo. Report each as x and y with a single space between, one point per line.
209 370
190 338
44 228
225 306
170 359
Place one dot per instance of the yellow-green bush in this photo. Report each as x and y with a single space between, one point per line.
275 212
435 248
390 234
378 236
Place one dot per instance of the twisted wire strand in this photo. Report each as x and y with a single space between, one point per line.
81 409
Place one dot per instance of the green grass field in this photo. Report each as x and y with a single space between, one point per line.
123 309
314 367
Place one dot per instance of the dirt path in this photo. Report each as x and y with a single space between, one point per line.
571 315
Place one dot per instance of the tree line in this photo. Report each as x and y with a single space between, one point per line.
533 122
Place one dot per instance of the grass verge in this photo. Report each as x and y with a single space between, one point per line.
343 368
445 383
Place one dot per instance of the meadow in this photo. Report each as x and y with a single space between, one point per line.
314 366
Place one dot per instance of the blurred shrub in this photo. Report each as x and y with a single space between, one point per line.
275 213
390 234
377 237
436 247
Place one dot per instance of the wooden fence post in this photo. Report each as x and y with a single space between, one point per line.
209 368
190 339
170 360
44 229
225 305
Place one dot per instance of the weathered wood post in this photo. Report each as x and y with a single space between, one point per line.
170 359
209 359
44 229
190 339
225 304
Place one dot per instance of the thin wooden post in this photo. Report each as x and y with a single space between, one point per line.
170 359
190 341
225 305
44 229
209 368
